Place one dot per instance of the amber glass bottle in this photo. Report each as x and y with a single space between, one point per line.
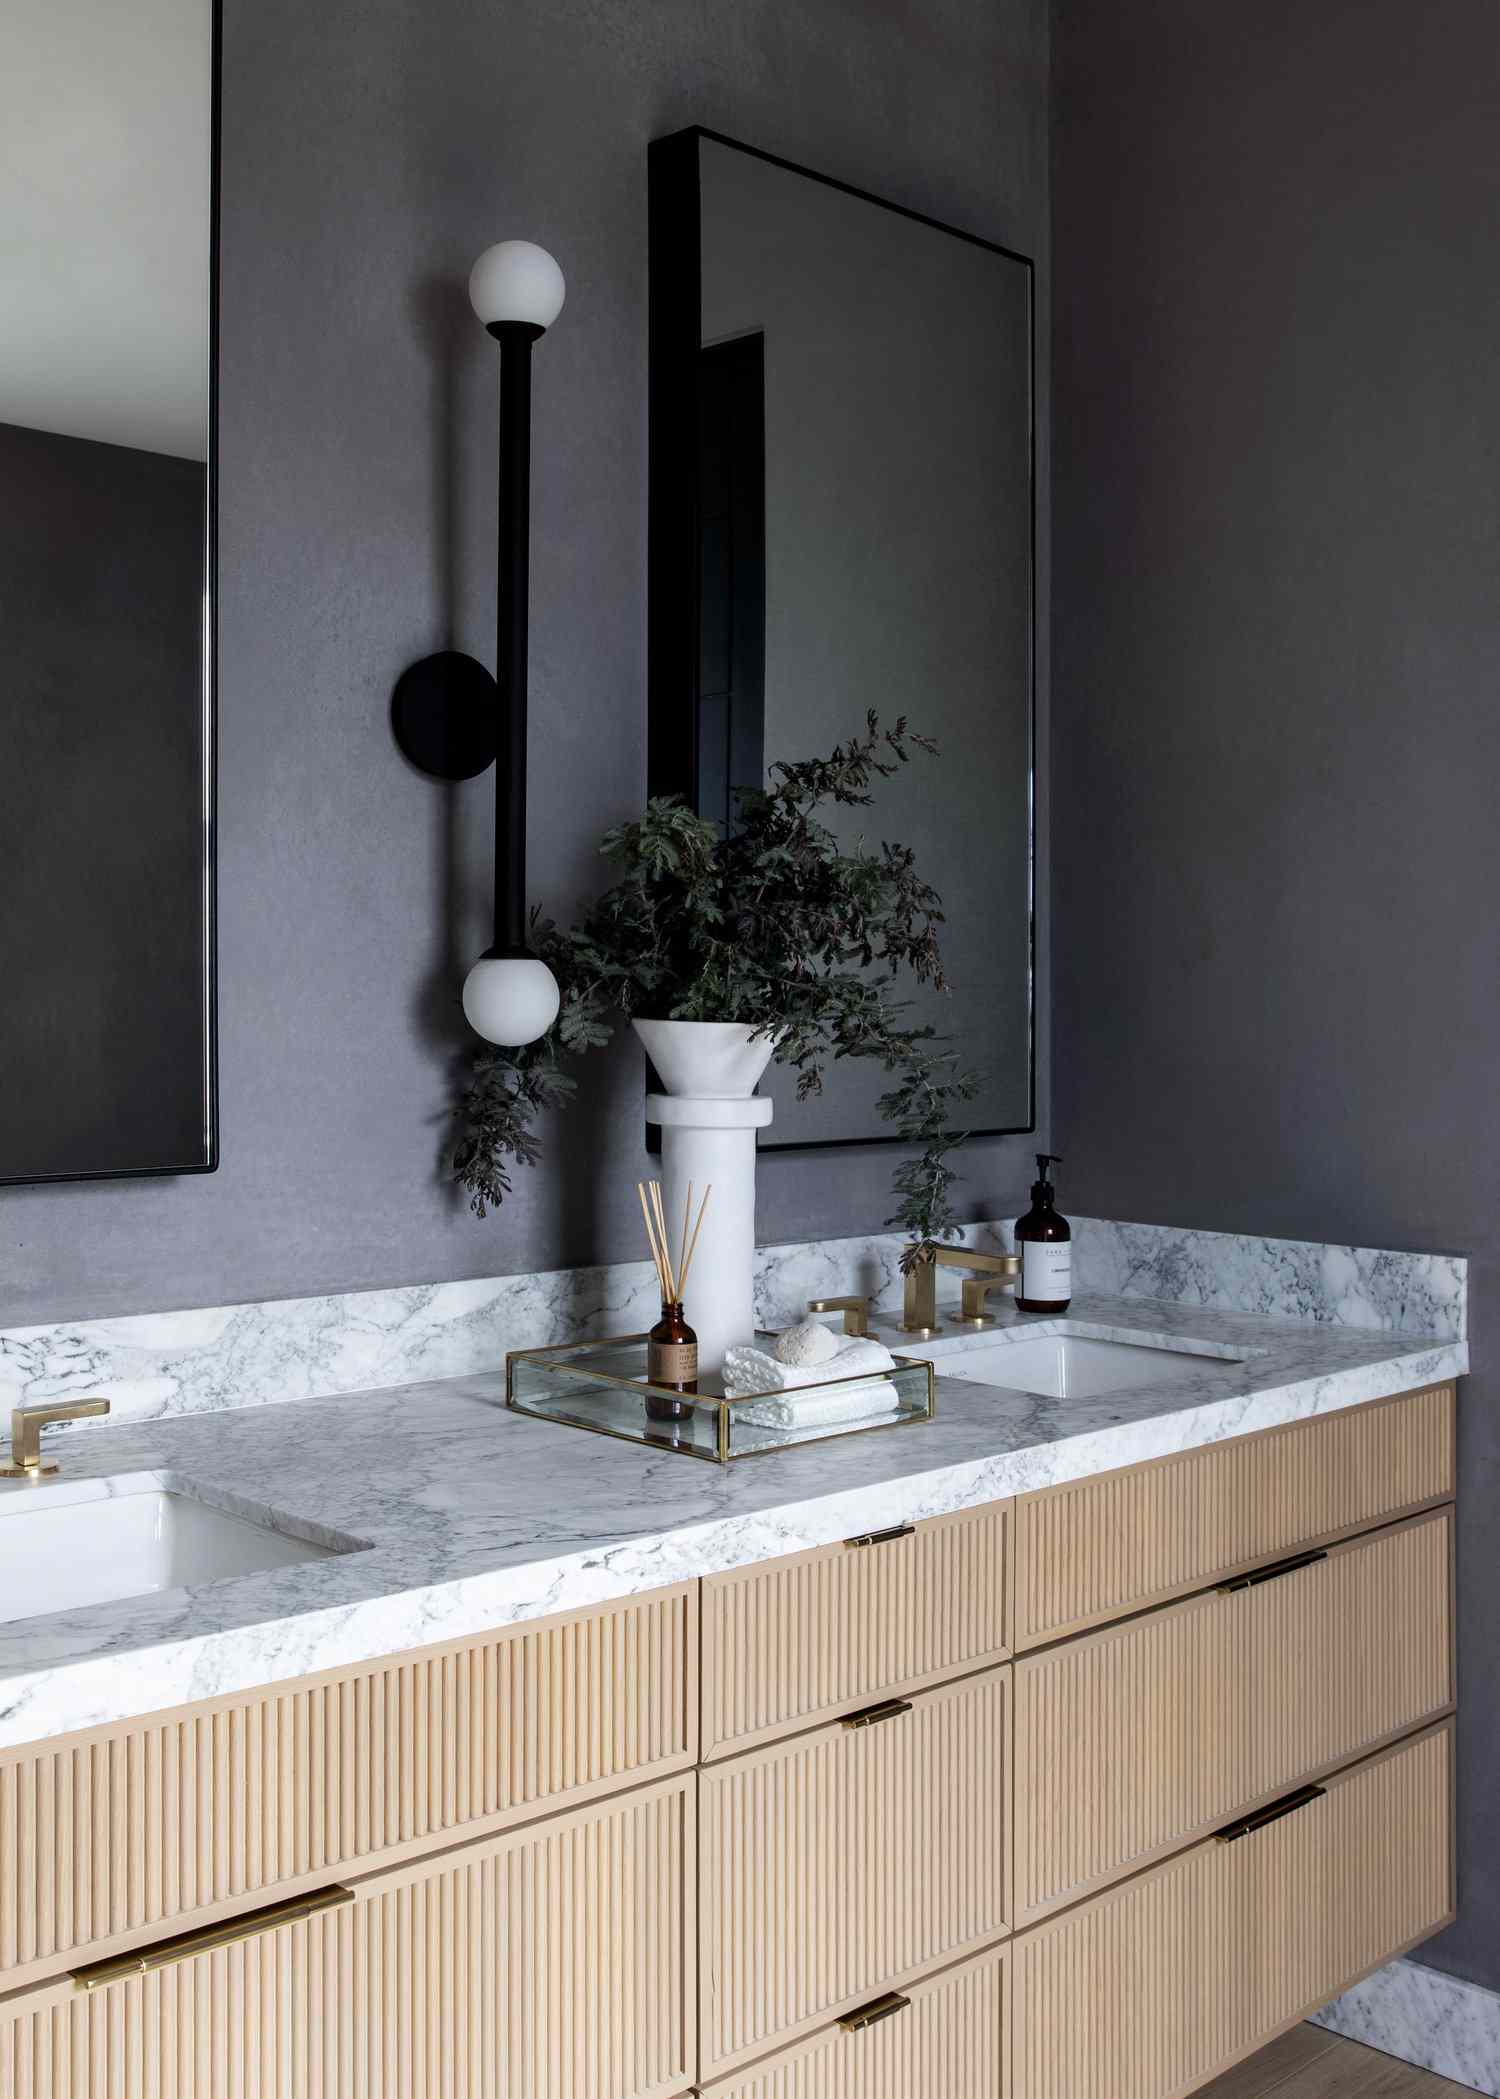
671 1359
1045 1243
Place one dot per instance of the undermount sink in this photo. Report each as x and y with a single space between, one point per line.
1071 1366
59 1552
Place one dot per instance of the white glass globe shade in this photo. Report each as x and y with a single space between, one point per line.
511 999
516 281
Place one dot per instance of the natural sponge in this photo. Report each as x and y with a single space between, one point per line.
807 1343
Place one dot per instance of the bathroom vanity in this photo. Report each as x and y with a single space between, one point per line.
1053 1748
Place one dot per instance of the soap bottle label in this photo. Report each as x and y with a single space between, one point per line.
1046 1270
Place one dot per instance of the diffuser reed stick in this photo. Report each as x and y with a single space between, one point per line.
671 1345
663 1240
656 1253
671 1275
691 1245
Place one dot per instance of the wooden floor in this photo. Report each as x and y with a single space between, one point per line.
1308 2063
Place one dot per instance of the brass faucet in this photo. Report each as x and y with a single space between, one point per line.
919 1313
856 1311
26 1425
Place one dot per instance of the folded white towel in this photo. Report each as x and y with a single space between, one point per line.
751 1369
814 1409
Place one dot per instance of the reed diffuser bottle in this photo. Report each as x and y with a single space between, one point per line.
671 1359
671 1345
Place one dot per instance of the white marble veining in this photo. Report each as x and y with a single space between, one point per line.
478 1517
153 1366
789 1276
158 1365
1358 1286
1425 2017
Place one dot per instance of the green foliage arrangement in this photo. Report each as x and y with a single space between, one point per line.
773 924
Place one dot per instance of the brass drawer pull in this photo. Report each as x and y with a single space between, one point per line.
1276 1812
872 1715
167 1952
897 1530
871 2014
1273 1573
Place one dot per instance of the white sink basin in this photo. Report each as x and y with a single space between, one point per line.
58 1551
1069 1366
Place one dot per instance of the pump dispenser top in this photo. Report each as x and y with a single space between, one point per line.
1044 1242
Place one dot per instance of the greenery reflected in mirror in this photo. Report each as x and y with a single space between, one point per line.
842 519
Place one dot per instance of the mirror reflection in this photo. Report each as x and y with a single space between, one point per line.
105 804
861 480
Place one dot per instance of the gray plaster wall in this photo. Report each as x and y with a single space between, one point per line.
1277 627
371 148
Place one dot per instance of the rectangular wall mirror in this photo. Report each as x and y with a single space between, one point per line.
842 517
107 240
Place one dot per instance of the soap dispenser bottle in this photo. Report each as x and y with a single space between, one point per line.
1045 1243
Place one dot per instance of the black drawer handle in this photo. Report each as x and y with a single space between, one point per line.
1273 1573
872 1715
871 2014
1276 1812
897 1530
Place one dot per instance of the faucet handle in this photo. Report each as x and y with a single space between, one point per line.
26 1425
856 1311
975 1289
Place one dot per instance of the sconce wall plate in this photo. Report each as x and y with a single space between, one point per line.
444 716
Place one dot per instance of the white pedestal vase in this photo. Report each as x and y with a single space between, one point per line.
708 1121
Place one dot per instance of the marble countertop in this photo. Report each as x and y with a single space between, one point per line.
470 1516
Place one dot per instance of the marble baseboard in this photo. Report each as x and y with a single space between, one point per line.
1425 2017
152 1366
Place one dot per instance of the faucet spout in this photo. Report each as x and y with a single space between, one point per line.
26 1425
987 1272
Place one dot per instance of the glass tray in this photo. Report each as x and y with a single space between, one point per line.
601 1385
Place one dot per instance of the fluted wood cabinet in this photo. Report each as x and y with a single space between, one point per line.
1121 1541
797 1640
556 1959
117 1837
1131 1742
848 1859
948 2038
1153 1988
1089 1791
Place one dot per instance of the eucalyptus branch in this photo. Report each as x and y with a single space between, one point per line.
773 923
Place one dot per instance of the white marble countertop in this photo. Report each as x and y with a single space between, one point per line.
474 1516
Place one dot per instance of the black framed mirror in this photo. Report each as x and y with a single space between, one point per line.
107 417
843 517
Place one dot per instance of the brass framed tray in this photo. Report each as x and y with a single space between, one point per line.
602 1386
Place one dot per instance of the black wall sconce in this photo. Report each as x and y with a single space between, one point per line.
450 717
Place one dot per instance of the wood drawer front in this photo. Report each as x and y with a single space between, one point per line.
1120 1541
1152 1988
118 1836
1133 1741
556 1960
950 2041
845 1862
787 1644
